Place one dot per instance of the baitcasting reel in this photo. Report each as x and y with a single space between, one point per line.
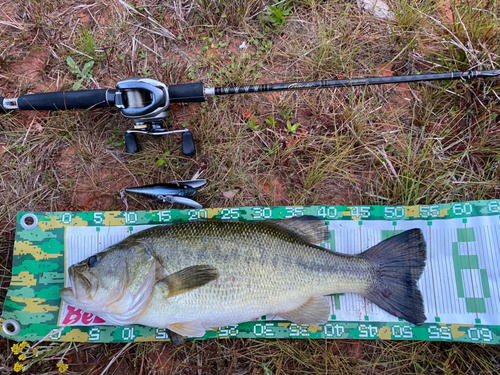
146 101
143 100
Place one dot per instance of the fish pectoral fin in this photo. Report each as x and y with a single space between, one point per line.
188 279
189 329
315 311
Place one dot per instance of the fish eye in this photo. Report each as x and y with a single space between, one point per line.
92 261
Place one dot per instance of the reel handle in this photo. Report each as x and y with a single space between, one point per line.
131 143
85 99
188 146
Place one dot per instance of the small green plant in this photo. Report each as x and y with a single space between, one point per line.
271 121
286 113
266 367
117 139
83 74
277 13
192 70
252 124
86 43
291 128
163 160
147 71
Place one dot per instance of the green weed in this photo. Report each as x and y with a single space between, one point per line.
163 160
252 124
84 74
86 43
276 13
271 121
339 43
226 13
292 128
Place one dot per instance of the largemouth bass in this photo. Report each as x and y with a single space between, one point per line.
190 277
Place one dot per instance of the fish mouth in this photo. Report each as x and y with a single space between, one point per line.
67 295
80 285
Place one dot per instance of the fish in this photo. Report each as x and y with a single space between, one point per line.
190 277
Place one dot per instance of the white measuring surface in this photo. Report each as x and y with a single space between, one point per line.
462 272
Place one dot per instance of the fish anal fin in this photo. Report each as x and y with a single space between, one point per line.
192 328
175 338
188 279
315 311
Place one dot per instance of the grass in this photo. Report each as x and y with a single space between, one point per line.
419 144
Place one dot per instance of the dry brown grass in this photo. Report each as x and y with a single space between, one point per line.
417 144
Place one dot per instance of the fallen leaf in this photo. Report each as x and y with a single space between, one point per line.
376 7
197 174
387 71
447 11
229 194
247 114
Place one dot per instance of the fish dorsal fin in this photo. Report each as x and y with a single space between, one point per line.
309 228
315 311
189 329
188 279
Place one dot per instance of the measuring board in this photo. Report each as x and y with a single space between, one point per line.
460 284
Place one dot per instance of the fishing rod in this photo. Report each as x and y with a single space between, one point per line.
146 101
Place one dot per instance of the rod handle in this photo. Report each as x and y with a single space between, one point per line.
62 100
2 108
187 93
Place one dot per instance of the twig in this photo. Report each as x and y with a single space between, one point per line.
115 357
165 32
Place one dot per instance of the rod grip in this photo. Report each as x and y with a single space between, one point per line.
187 93
62 100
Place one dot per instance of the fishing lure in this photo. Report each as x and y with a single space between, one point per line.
172 192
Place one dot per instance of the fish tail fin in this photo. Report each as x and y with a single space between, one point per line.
398 264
